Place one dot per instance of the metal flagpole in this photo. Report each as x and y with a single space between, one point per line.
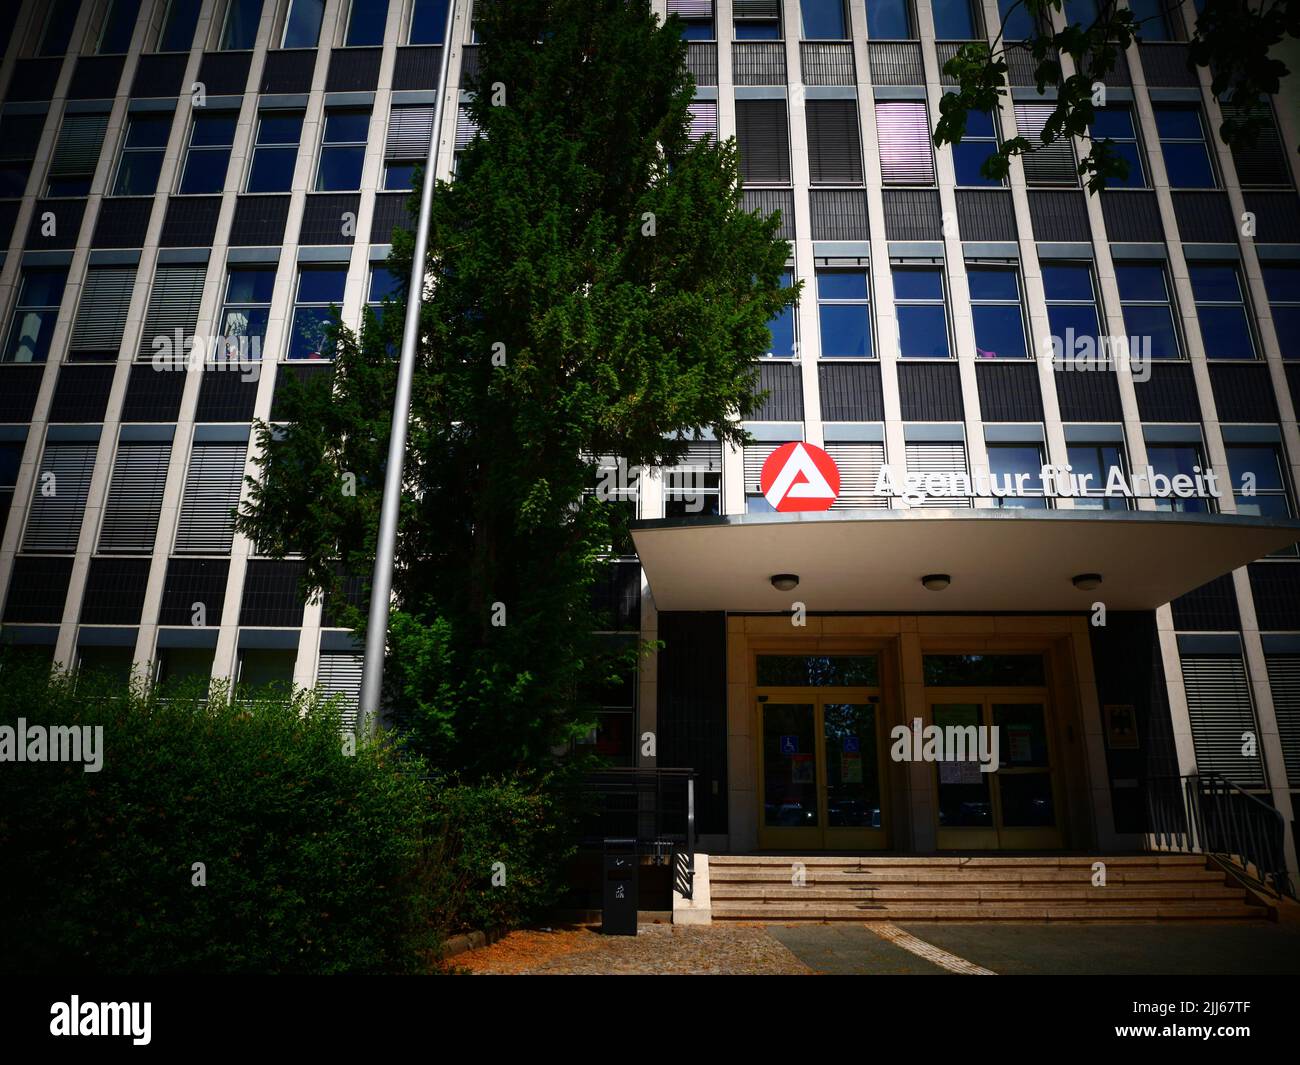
381 587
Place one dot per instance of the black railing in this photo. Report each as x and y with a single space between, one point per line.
656 807
1205 813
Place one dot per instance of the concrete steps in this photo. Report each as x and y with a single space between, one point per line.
910 888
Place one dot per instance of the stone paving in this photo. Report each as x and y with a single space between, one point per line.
801 949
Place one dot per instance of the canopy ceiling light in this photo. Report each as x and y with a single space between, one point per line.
936 582
785 582
1086 582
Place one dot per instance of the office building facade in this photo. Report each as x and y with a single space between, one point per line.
231 169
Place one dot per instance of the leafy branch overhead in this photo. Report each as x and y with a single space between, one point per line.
1234 39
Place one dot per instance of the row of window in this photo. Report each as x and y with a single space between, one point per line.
236 25
895 20
1258 475
214 479
846 324
922 301
207 150
172 315
907 154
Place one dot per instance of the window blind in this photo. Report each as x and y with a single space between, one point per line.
212 486
1262 163
101 314
903 131
704 119
135 495
859 466
1050 164
466 127
763 137
1220 710
339 674
834 144
59 498
409 132
943 458
76 152
754 457
174 301
1284 681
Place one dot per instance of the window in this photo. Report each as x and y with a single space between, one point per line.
338 675
903 131
1019 468
366 22
240 28
54 519
275 151
834 146
206 525
753 457
922 316
823 20
1152 23
1220 712
954 20
383 284
1081 12
890 20
1047 164
1072 312
696 18
1282 283
782 326
996 311
704 119
947 459
173 313
343 151
844 313
101 314
179 24
1097 461
39 294
135 495
119 25
142 155
978 142
859 465
1173 460
763 138
246 312
694 485
1016 21
407 145
59 23
1148 314
1262 163
320 291
1221 311
757 20
76 154
1259 482
428 21
1182 140
1116 125
208 154
11 458
302 24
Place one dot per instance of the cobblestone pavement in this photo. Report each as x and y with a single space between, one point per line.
664 949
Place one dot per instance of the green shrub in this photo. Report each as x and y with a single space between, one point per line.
316 861
527 826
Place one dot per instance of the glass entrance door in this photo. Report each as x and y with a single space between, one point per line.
1014 807
820 771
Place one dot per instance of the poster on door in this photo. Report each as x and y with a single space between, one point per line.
850 767
1020 739
802 769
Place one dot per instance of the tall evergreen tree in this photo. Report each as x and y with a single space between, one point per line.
595 288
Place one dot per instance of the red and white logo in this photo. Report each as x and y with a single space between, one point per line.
799 476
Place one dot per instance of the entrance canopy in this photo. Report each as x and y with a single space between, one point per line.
998 560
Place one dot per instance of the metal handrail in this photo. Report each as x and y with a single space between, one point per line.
656 807
1206 813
